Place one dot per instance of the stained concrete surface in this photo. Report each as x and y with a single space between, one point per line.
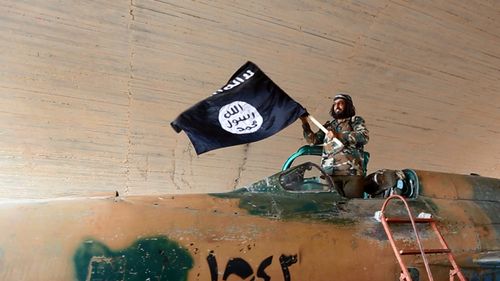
88 88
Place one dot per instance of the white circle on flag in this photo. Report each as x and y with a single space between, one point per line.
240 118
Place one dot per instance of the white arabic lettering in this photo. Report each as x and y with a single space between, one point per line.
240 117
236 82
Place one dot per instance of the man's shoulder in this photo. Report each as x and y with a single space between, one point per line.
357 119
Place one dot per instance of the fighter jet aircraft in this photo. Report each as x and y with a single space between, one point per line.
293 225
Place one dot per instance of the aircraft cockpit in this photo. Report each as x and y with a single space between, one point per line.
307 177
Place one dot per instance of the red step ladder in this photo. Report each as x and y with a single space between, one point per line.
405 275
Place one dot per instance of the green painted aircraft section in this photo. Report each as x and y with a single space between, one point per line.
153 258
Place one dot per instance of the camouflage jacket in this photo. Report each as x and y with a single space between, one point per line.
354 135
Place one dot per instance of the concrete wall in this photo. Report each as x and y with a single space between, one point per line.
88 88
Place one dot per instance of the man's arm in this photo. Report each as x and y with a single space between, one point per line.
309 135
359 134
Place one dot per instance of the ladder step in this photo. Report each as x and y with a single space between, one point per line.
405 220
426 251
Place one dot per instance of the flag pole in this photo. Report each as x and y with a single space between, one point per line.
316 122
336 143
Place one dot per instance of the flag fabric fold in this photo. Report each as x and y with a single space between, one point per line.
249 108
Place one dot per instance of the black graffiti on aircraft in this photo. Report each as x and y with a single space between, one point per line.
244 270
263 265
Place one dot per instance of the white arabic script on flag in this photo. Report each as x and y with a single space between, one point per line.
240 117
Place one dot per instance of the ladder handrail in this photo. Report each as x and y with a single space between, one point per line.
422 252
456 269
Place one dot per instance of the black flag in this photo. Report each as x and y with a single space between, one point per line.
250 107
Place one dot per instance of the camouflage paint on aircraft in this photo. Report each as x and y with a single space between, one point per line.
300 193
153 258
285 205
267 198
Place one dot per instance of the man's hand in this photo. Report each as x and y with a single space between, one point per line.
332 134
305 125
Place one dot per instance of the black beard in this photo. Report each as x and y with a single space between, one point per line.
341 115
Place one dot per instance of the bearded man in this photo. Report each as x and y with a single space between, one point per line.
347 166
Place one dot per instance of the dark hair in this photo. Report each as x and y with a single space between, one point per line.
348 112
